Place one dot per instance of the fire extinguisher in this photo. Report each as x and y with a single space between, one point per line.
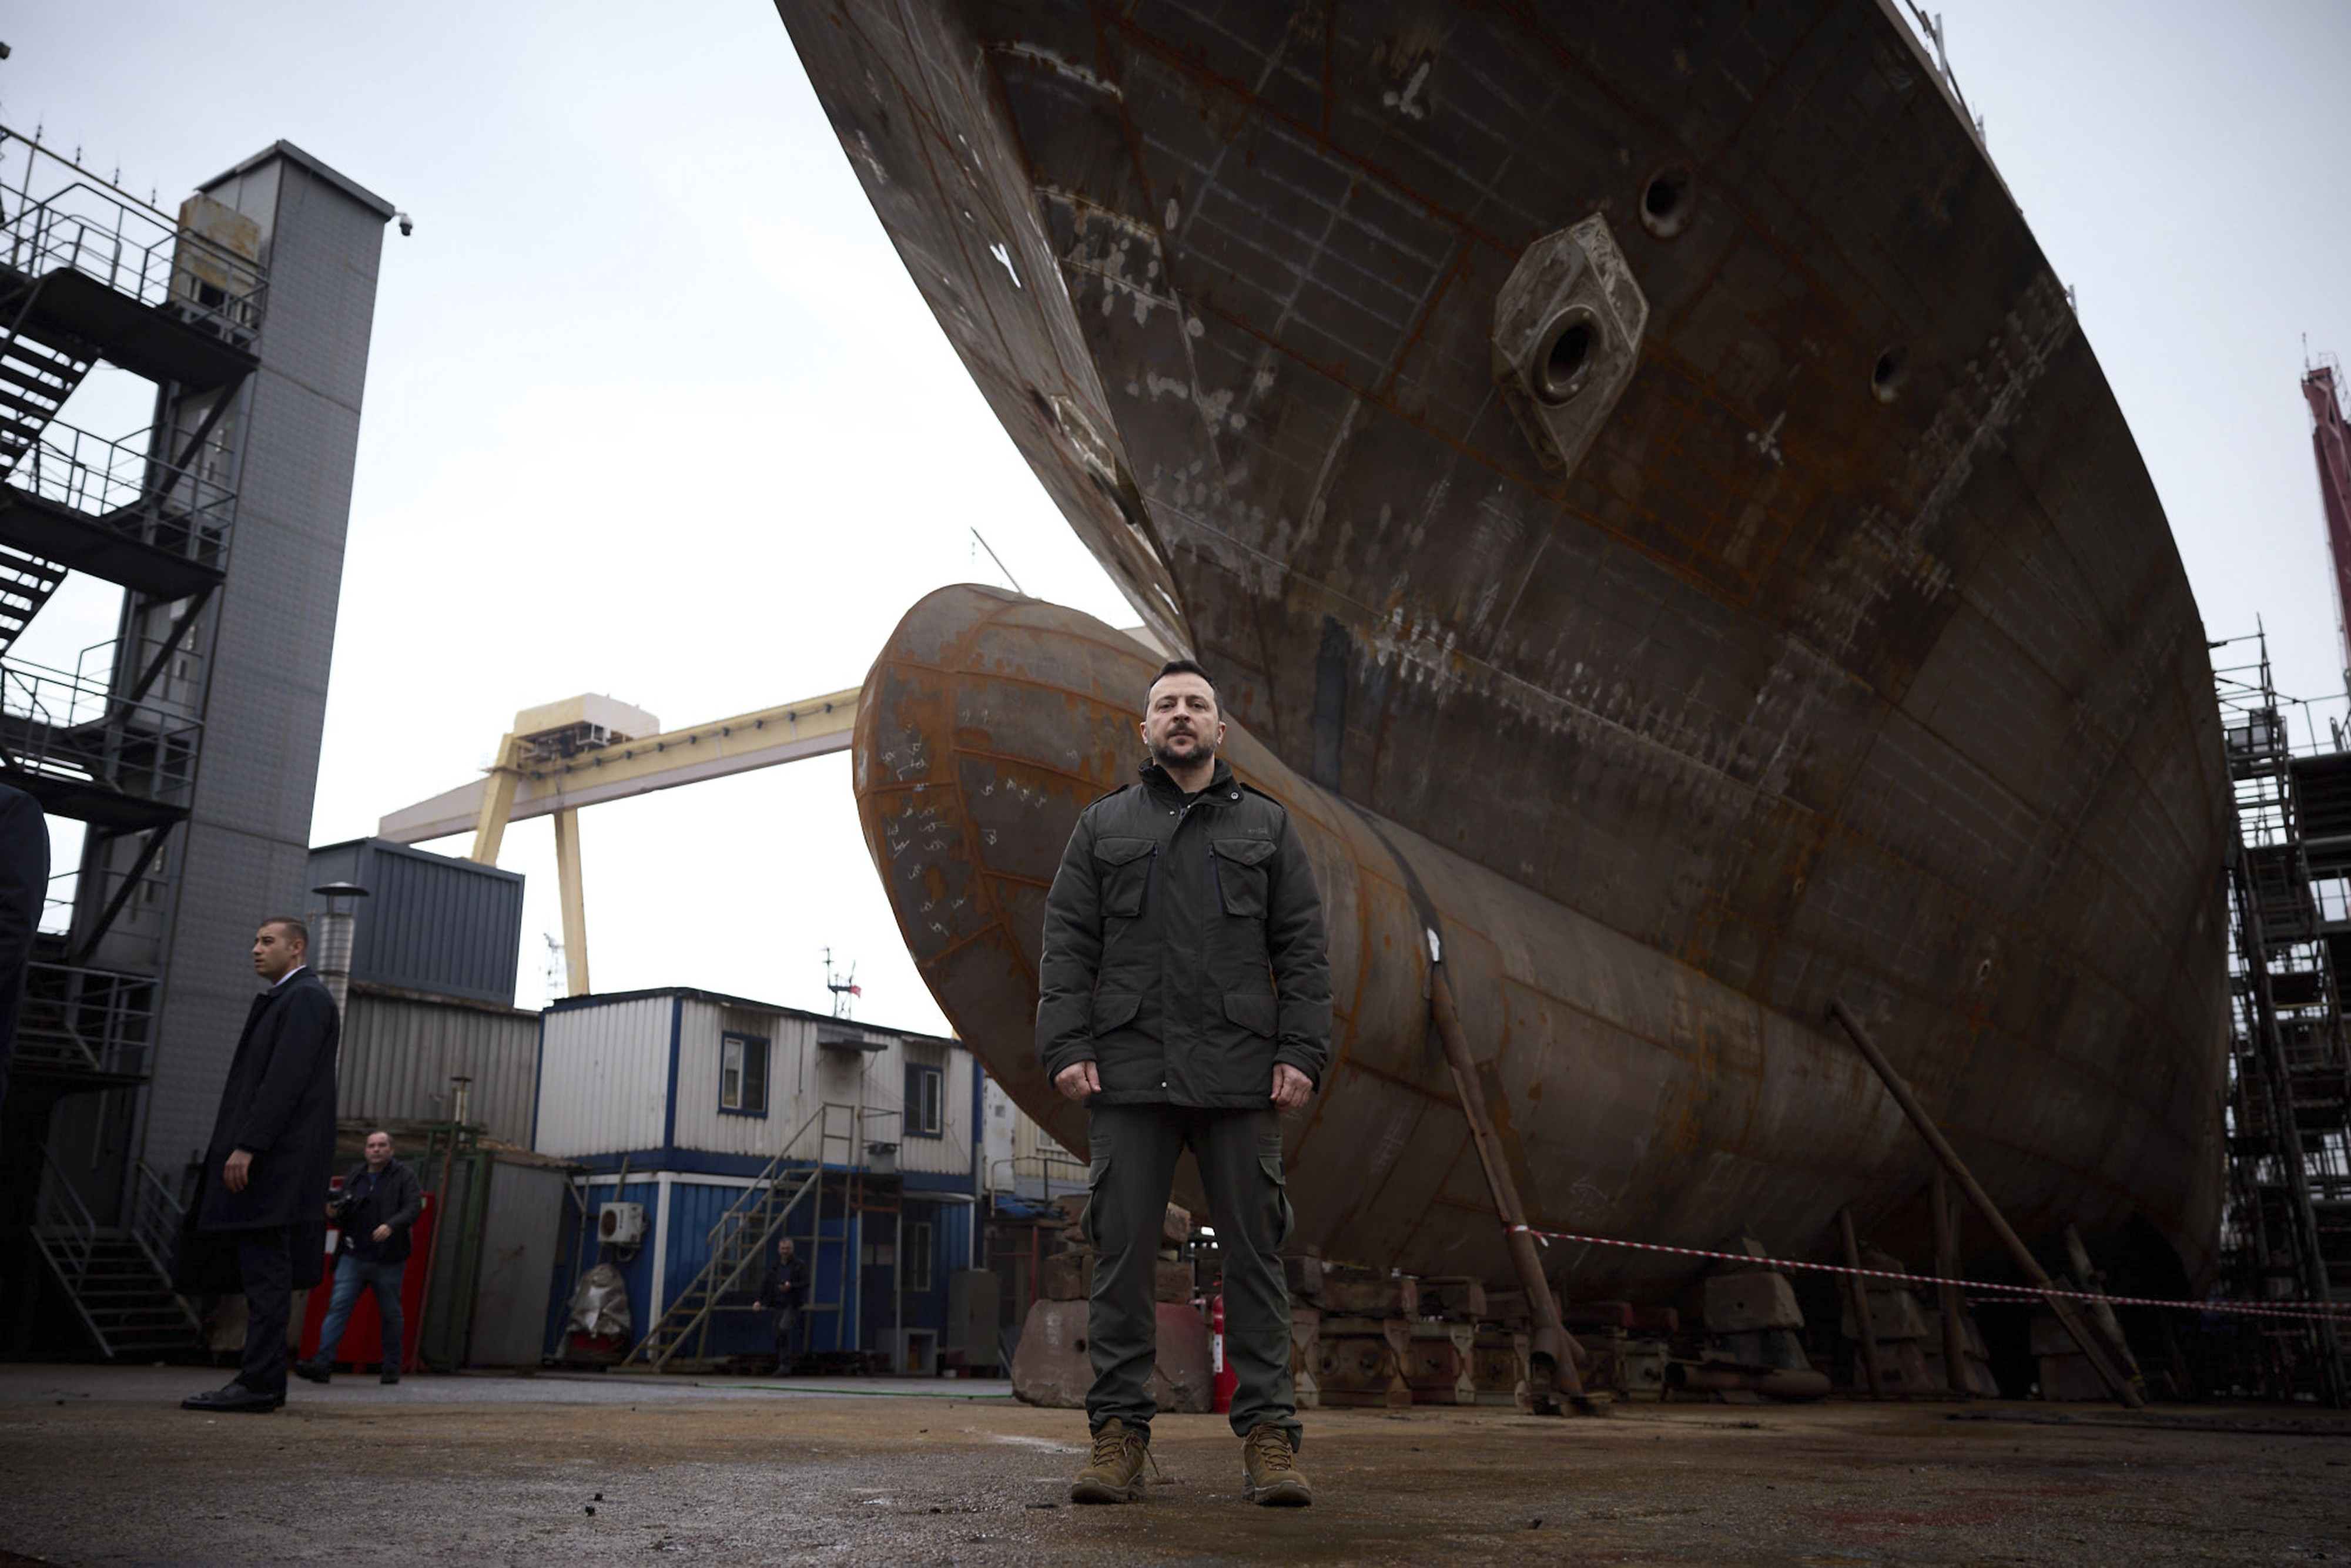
1225 1380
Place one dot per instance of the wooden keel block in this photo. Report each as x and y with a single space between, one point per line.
1457 1296
1364 1295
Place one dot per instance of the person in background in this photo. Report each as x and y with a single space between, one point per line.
255 1226
381 1199
24 883
783 1291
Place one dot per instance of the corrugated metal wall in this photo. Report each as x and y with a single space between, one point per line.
430 923
694 1206
603 1080
1021 1156
950 1152
400 1052
803 1075
792 1088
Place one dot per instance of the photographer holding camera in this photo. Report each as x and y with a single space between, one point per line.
379 1201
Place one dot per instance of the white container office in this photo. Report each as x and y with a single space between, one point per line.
680 1100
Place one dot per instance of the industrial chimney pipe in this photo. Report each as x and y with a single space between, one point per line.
334 936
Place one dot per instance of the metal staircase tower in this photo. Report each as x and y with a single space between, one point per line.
2286 1228
91 275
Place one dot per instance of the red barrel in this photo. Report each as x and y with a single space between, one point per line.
1224 1379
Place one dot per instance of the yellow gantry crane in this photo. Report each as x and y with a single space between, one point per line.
564 756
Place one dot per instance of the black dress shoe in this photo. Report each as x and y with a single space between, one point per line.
390 1374
314 1371
235 1396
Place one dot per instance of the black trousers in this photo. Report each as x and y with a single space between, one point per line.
265 1264
1239 1153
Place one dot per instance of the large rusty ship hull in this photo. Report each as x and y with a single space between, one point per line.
1643 453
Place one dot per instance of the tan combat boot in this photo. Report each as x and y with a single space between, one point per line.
1270 1476
1115 1473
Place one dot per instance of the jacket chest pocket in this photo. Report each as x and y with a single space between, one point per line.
1122 869
1241 875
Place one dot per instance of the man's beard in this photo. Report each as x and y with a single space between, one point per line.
1205 752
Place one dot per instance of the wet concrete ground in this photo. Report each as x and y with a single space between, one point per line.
98 1465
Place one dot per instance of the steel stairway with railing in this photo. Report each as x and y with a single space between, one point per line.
824 1147
118 1277
35 379
27 583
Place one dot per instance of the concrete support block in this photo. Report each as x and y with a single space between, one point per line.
1751 1302
1052 1367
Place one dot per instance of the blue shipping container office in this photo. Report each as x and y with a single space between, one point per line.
695 1094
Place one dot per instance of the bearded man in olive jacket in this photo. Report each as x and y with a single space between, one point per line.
1184 998
257 1224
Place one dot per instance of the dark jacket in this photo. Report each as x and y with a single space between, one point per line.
24 883
786 1284
279 1105
397 1201
1184 948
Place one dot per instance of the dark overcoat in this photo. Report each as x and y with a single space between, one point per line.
24 883
278 1105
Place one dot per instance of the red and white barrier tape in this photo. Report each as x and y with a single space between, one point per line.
2341 1311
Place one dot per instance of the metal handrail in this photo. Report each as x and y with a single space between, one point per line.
61 1214
75 731
84 224
121 485
95 1020
733 1227
156 1217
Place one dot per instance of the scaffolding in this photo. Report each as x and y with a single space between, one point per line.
2286 1226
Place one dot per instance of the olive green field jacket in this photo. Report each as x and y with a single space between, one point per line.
1185 952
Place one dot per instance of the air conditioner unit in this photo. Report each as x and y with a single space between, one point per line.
620 1224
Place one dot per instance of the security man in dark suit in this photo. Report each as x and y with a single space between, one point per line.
264 1176
24 883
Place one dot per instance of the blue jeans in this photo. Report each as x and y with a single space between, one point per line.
353 1274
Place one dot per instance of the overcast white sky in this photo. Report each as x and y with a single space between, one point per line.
653 410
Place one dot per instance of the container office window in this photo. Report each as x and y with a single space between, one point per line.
922 1098
918 1247
743 1074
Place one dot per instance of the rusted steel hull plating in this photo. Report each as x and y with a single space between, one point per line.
1643 451
1630 1093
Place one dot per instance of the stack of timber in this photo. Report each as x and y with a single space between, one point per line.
1631 1347
1394 1341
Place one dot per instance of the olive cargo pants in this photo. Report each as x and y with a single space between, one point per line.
1133 1150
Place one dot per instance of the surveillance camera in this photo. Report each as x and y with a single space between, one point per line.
407 226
